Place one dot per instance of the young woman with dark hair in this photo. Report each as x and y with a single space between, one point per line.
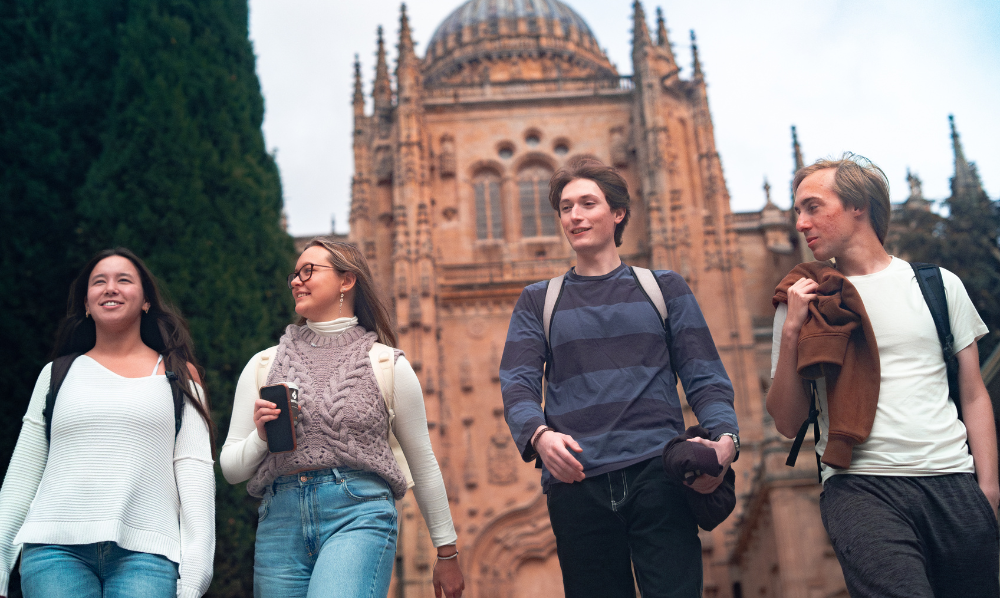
112 498
327 519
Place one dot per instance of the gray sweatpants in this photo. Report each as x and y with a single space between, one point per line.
913 536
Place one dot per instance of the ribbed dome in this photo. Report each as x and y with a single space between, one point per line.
474 12
512 29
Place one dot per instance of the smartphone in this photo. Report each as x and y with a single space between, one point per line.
281 431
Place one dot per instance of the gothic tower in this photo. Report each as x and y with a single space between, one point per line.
450 204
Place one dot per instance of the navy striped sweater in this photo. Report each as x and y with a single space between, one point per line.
611 383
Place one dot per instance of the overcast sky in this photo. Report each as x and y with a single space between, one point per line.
877 78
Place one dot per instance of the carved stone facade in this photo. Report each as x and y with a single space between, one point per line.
449 203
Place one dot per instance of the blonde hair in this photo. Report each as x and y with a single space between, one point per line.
860 184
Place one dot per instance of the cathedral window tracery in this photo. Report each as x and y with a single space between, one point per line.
489 214
537 218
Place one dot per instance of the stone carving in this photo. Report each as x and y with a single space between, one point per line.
619 147
515 537
501 454
447 158
470 474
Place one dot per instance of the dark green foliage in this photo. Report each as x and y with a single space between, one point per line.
137 123
56 60
966 243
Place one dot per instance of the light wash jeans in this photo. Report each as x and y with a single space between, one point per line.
328 533
101 570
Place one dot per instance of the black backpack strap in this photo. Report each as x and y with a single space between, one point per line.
60 367
175 388
932 287
801 435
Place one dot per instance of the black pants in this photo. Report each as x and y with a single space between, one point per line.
633 516
913 536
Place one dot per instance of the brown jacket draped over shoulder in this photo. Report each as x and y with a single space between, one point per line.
837 341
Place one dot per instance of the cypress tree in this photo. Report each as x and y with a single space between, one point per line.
56 58
185 181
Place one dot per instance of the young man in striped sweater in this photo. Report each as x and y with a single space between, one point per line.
612 404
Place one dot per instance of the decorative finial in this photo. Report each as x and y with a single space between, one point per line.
694 53
796 151
767 191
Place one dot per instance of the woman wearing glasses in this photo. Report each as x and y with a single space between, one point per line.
327 518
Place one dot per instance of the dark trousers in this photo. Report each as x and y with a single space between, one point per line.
607 523
913 536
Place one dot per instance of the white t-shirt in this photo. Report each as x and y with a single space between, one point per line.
916 430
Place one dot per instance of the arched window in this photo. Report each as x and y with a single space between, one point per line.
537 217
489 215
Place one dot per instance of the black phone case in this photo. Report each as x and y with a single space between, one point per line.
281 431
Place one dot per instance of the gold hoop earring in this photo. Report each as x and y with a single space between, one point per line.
146 310
87 310
340 311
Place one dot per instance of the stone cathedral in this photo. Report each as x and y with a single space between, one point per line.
449 204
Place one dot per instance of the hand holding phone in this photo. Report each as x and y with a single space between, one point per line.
280 429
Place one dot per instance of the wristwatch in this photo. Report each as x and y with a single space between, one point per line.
736 441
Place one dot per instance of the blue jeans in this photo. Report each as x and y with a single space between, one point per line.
101 570
327 533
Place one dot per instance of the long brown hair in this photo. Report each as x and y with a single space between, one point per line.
370 310
161 328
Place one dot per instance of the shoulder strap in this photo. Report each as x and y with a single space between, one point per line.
382 364
264 360
932 287
381 357
175 390
801 435
647 282
654 295
60 367
552 296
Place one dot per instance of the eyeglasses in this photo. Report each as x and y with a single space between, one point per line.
305 273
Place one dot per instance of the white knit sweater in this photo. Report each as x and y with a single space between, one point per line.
114 471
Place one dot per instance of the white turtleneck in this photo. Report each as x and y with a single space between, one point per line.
332 328
244 450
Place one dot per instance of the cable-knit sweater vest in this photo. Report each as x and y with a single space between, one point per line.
343 422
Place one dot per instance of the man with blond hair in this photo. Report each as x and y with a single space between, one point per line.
911 509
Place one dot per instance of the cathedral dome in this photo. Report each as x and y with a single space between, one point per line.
513 40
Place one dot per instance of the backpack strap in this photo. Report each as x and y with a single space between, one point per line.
801 435
553 294
381 357
649 287
175 389
264 361
654 295
60 367
932 287
382 364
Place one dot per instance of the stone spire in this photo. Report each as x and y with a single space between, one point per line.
796 151
966 179
408 65
694 52
359 94
405 35
805 254
640 32
382 92
661 36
